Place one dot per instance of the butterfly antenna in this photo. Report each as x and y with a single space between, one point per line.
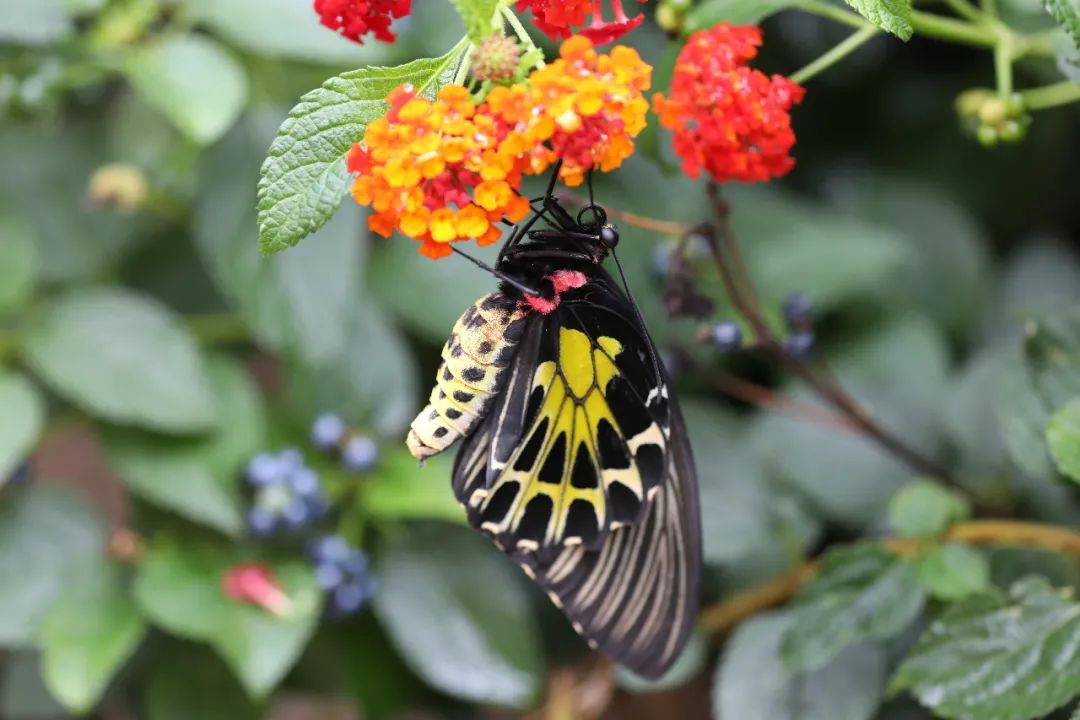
500 275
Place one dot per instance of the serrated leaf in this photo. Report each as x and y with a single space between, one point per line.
737 12
953 571
180 589
123 357
46 534
926 509
471 633
192 80
1066 13
892 16
86 635
21 421
998 658
304 177
481 17
1063 437
198 478
752 683
861 593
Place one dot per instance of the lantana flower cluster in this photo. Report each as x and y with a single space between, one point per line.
728 119
449 169
356 18
558 19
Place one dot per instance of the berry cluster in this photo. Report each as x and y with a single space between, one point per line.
287 495
342 571
992 118
798 316
728 119
357 452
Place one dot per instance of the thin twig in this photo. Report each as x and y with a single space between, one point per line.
740 287
666 227
723 616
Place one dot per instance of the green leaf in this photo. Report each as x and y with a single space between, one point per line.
953 571
34 22
194 81
282 28
1063 437
1066 13
197 478
998 658
456 611
1044 376
402 489
892 16
861 593
304 177
18 260
86 635
752 683
481 17
687 667
21 421
737 12
189 682
23 695
123 357
46 534
180 590
926 509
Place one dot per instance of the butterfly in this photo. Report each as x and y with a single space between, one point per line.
575 460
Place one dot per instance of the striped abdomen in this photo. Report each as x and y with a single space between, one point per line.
475 359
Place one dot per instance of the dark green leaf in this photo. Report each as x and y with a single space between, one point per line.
86 635
190 682
23 695
893 16
752 682
20 422
1066 13
180 589
304 177
997 658
194 81
401 489
953 571
455 609
737 12
1063 438
122 357
970 419
926 509
861 593
198 477
18 259
46 533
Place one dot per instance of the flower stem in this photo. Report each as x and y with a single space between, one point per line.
834 55
521 32
953 30
463 68
1050 96
834 13
725 615
966 10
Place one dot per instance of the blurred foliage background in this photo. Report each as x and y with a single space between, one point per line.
147 352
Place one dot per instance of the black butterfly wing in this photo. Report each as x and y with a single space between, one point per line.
629 582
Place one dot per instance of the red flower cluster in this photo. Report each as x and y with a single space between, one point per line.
556 19
356 18
729 119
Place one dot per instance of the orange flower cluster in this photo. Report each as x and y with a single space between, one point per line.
450 169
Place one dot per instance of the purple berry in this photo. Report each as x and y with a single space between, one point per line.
296 514
360 454
328 575
348 598
305 482
290 460
726 336
327 431
329 549
263 469
798 310
261 521
800 344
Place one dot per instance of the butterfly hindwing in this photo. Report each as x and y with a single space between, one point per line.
582 473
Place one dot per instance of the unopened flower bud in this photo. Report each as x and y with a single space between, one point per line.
496 58
120 186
